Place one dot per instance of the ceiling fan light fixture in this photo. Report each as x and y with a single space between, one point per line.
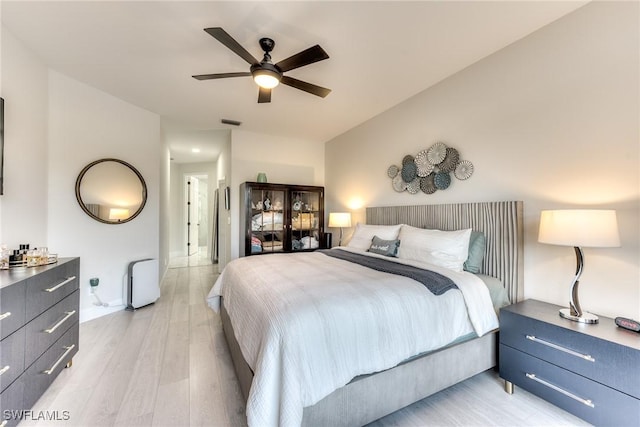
265 73
266 78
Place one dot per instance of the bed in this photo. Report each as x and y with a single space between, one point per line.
309 371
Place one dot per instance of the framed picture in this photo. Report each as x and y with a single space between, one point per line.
227 198
1 146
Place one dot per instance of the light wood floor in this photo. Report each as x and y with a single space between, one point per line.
168 365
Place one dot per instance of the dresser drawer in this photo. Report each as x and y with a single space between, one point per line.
44 370
589 400
47 288
11 402
11 358
47 328
600 360
12 308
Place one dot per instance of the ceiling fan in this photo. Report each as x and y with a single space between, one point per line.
266 74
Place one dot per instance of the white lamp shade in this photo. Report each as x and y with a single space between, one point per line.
579 227
340 219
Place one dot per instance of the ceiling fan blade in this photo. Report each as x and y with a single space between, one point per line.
220 76
307 87
264 95
223 37
300 59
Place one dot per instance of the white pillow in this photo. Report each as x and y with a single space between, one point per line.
363 235
447 249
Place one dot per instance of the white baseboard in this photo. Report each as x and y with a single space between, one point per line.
96 311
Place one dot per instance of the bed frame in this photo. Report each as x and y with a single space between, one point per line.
369 397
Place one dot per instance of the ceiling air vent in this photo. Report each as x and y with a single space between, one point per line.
230 122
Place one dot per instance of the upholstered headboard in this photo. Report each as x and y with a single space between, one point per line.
501 222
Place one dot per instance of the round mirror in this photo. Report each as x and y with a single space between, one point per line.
111 191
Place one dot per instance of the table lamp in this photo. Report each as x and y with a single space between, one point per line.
340 220
119 214
579 228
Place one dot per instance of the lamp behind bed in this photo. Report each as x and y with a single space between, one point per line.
340 220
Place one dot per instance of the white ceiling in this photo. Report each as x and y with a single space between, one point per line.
381 53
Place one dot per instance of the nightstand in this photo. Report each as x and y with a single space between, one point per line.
591 371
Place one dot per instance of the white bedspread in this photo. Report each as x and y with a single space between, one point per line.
308 323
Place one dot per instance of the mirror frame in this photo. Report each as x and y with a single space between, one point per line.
122 162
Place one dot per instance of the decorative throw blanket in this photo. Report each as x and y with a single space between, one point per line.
435 282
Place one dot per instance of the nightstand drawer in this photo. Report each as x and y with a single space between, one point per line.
587 399
603 361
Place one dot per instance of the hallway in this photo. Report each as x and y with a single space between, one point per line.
200 258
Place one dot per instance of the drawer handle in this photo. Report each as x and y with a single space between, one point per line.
68 350
557 347
3 370
64 319
587 402
64 282
4 316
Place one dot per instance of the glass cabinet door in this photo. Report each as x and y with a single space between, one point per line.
305 213
267 221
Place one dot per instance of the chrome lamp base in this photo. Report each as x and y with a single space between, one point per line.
585 317
574 312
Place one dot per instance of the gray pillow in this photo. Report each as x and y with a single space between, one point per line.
384 247
477 246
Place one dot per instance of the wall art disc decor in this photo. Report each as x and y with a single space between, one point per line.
442 180
409 172
430 170
427 185
450 160
421 158
413 187
425 169
407 159
398 184
436 153
464 170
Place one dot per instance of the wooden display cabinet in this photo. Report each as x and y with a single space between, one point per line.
277 218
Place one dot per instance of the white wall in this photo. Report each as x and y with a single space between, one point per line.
25 91
224 218
285 161
552 120
86 124
165 206
54 126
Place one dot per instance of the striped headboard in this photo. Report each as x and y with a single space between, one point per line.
501 223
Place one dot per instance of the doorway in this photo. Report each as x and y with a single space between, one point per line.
197 219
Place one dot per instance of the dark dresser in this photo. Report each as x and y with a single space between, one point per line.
39 313
591 371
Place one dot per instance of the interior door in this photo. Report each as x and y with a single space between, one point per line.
192 216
